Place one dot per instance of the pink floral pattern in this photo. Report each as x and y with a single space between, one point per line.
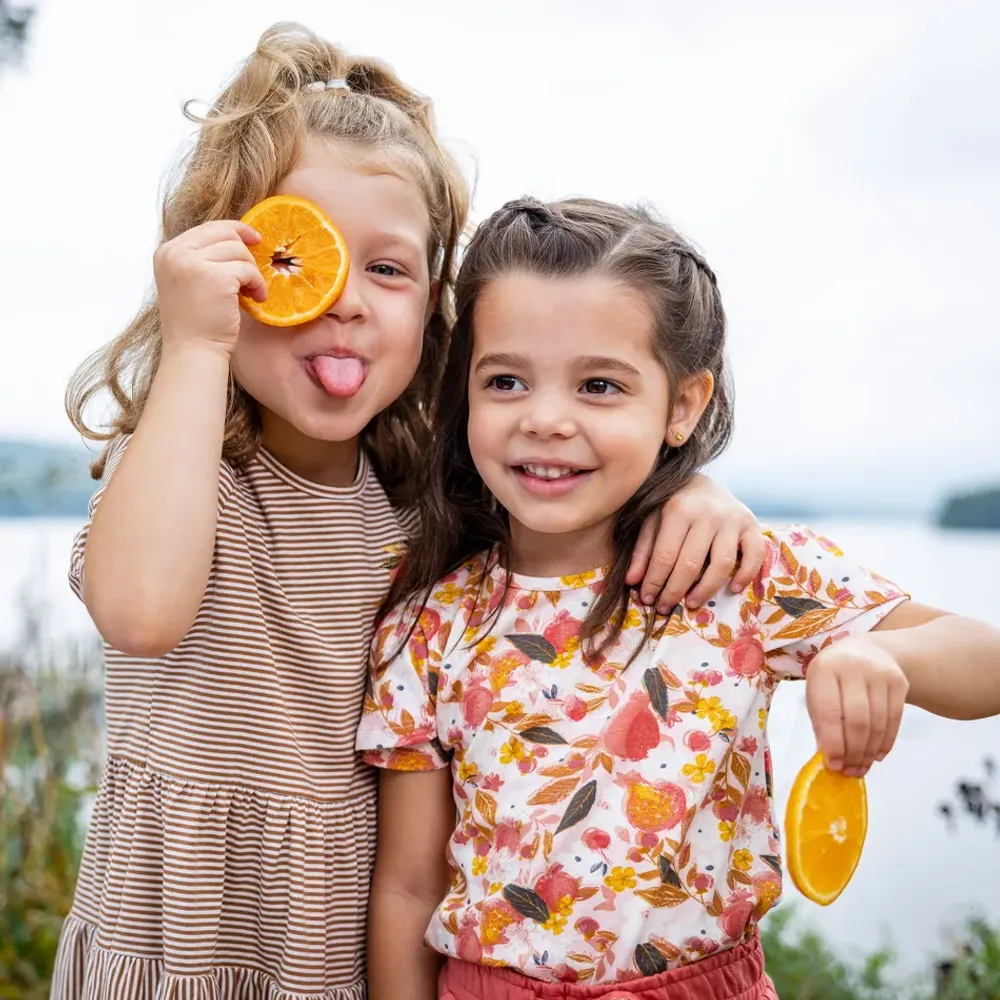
614 821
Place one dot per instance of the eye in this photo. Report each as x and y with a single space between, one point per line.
385 270
506 383
600 387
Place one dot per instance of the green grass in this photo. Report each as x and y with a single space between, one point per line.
51 720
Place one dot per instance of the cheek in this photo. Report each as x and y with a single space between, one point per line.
478 428
257 354
489 430
635 435
404 330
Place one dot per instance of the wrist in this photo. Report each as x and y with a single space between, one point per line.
200 354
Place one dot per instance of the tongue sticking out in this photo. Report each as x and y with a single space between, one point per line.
339 376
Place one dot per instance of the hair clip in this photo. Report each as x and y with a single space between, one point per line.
338 84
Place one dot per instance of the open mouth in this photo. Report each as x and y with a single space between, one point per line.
550 480
549 471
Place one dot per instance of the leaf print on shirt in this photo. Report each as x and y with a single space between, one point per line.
535 647
579 807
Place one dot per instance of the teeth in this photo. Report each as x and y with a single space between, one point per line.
549 471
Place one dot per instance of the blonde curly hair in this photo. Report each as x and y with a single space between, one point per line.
247 143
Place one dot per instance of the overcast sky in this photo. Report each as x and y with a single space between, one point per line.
839 166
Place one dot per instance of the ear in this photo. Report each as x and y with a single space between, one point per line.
432 301
694 395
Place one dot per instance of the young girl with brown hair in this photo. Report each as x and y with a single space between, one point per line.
576 791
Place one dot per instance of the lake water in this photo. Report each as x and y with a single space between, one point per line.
916 878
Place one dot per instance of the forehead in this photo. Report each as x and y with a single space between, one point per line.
545 317
361 192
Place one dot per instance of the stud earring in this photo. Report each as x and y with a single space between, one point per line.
679 436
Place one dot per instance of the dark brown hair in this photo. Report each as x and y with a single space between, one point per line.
459 516
249 140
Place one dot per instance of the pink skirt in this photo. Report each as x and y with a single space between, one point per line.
735 974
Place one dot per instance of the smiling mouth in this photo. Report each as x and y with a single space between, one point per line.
551 472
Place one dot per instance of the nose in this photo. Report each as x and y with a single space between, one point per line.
351 304
547 415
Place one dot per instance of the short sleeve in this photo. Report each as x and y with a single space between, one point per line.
810 594
398 728
227 482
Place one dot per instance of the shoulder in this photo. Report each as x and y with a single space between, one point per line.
800 559
810 592
444 611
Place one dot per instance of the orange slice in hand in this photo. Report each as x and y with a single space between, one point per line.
303 259
825 826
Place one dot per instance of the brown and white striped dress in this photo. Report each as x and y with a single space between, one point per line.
231 844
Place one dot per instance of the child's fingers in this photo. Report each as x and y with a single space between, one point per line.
878 712
753 546
857 724
725 549
827 715
894 717
216 232
227 250
643 550
667 545
248 234
688 567
251 280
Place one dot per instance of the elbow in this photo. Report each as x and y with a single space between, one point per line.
134 630
147 641
407 888
142 645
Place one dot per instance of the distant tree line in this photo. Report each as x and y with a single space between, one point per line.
976 509
15 22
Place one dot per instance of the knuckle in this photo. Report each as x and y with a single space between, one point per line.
682 504
661 561
829 715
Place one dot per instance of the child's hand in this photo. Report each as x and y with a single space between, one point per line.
701 523
855 692
199 277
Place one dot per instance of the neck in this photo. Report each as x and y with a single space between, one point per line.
326 463
536 553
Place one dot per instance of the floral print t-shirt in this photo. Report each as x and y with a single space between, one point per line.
613 821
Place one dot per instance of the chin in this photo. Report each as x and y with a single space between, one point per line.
330 427
550 523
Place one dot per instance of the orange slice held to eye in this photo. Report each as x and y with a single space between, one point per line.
825 826
303 259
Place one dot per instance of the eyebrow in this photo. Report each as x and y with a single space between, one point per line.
393 240
587 362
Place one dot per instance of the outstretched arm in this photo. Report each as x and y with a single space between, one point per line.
952 663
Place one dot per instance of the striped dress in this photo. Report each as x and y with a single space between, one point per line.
231 843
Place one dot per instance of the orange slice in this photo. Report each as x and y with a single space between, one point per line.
825 826
303 259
